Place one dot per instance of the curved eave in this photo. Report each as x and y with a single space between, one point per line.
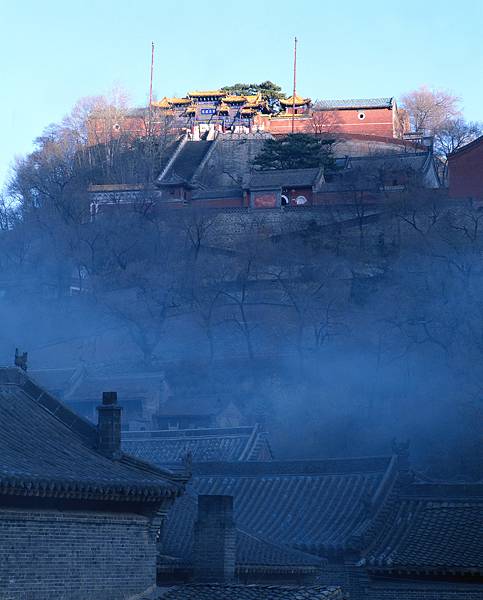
298 102
88 490
424 570
182 565
292 116
207 94
261 568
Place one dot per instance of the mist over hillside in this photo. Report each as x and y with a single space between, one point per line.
337 339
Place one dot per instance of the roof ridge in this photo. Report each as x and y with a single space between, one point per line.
279 546
293 467
443 492
137 463
188 433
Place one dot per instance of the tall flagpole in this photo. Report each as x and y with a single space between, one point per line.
151 86
294 82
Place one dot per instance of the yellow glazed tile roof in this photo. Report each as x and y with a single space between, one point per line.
299 101
206 93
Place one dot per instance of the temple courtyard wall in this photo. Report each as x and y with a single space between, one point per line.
74 555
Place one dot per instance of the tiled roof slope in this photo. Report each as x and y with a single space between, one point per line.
283 178
217 444
252 552
314 506
46 449
432 528
249 592
417 161
355 103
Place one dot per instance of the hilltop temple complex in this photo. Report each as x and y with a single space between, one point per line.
203 114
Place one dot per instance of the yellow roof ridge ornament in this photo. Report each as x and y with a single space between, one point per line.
299 101
180 100
163 103
198 93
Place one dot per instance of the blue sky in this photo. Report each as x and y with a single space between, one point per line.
54 52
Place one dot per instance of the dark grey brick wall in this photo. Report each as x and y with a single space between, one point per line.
54 555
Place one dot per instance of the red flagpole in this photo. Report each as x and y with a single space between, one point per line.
294 83
151 86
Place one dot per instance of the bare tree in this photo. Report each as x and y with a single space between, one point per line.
430 109
453 135
323 121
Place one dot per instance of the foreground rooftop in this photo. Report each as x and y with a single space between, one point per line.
248 592
46 449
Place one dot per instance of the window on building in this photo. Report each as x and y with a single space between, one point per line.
361 115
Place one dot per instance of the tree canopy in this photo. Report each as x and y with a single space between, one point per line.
268 89
295 151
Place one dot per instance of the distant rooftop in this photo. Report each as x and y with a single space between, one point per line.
213 444
283 178
312 505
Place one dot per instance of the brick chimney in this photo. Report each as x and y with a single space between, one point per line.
109 426
214 549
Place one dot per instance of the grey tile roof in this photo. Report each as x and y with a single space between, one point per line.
213 194
355 103
413 160
283 178
432 528
314 506
46 449
371 172
250 592
216 444
253 553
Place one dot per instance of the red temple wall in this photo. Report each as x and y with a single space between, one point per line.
466 172
376 121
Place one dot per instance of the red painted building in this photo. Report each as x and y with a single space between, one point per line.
466 171
375 116
204 114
